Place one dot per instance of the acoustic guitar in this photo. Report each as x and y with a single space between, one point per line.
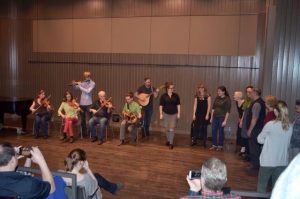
144 98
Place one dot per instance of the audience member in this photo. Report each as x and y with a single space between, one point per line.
212 180
18 185
77 163
287 185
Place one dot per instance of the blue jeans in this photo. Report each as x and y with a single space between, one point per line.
147 120
41 124
105 184
93 125
217 128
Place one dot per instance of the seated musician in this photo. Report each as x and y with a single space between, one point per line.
131 113
41 109
101 110
68 110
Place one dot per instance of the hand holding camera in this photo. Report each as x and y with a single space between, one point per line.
193 179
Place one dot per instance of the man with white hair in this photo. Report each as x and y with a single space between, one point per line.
212 180
101 110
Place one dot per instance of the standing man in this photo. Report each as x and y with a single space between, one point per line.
255 122
16 185
86 87
145 95
131 112
101 110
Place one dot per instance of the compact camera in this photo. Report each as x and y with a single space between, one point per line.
194 174
25 151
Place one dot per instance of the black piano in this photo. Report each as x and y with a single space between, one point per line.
15 105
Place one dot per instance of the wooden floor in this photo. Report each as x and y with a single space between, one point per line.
148 170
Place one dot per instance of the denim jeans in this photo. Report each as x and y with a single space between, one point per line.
93 125
41 124
147 120
105 184
217 128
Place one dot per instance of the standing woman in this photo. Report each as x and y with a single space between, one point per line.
201 114
239 101
169 109
42 114
68 110
275 137
219 116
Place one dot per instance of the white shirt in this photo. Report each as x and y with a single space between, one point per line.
275 142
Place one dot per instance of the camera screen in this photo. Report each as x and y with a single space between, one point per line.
194 174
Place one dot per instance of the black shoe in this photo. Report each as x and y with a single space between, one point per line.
193 143
94 139
171 146
36 136
204 144
167 143
121 143
45 136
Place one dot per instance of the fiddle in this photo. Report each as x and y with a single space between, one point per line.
45 102
131 118
73 104
107 103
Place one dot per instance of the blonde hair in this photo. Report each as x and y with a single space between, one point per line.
238 94
283 115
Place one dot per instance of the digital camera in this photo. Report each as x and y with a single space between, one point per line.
194 174
25 151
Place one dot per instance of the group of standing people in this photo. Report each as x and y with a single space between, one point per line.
268 139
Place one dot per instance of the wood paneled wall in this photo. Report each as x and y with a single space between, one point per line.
25 72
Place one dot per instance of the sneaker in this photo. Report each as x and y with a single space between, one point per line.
219 148
119 187
213 147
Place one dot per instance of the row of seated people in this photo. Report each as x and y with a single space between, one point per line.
101 111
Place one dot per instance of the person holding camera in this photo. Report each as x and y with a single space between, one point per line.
212 180
15 184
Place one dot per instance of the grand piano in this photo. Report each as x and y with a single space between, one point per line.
15 105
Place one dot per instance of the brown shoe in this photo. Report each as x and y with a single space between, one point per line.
71 140
167 143
171 146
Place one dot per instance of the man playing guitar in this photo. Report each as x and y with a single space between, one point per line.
145 95
131 113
